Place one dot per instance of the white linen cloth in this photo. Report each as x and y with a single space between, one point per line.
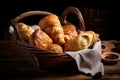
89 60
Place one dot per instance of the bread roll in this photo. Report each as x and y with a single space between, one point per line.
25 31
40 39
52 26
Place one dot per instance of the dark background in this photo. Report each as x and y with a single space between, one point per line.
100 15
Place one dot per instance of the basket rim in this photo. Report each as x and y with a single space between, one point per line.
13 22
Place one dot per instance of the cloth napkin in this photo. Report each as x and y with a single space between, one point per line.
89 60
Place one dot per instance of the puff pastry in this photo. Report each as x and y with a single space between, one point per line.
82 41
52 26
69 31
25 31
40 39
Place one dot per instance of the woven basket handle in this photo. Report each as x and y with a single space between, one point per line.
13 22
30 13
77 12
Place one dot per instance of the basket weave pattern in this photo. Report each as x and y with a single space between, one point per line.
44 59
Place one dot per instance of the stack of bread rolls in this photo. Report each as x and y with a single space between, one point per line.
55 37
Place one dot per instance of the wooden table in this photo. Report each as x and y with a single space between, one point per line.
9 67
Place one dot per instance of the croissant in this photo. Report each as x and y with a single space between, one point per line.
69 31
25 31
91 38
82 41
95 36
52 26
40 39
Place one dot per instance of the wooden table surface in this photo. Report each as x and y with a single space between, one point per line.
112 72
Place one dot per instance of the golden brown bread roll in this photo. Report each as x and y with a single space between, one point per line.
82 41
69 31
25 31
52 26
55 48
40 39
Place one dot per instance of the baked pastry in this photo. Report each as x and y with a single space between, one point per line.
25 31
95 36
69 31
82 41
56 48
87 39
40 39
52 26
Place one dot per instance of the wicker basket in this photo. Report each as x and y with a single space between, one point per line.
45 59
